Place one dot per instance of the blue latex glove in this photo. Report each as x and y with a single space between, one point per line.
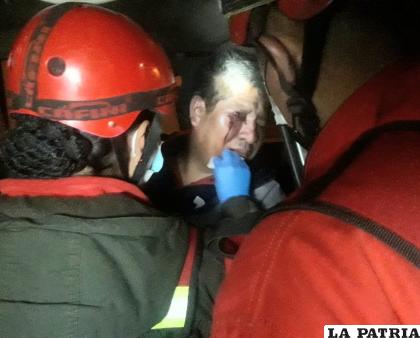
232 175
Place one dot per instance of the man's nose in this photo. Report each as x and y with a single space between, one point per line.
248 131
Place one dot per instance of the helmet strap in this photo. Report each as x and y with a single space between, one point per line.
152 142
119 147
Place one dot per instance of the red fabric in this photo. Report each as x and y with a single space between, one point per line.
85 186
301 270
209 180
187 269
384 184
231 245
390 96
228 264
238 27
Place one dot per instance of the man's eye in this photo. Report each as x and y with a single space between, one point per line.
239 116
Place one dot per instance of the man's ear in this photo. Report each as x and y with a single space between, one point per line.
136 141
197 110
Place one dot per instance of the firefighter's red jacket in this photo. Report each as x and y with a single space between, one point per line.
302 269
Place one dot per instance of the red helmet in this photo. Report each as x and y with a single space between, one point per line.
89 68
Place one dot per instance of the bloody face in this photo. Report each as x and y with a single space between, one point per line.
236 122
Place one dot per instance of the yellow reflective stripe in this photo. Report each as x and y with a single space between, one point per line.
177 312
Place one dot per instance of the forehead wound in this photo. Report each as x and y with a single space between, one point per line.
234 79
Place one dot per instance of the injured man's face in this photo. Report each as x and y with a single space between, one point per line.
241 121
236 122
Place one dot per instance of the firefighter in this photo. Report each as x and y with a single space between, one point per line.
82 252
345 248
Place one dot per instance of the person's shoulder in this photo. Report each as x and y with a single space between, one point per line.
308 261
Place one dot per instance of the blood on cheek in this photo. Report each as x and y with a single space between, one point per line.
232 124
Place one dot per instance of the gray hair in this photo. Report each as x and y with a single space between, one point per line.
233 64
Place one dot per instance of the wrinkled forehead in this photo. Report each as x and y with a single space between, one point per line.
238 93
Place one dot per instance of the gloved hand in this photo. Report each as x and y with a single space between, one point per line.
232 175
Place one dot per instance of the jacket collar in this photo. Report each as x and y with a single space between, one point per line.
77 186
